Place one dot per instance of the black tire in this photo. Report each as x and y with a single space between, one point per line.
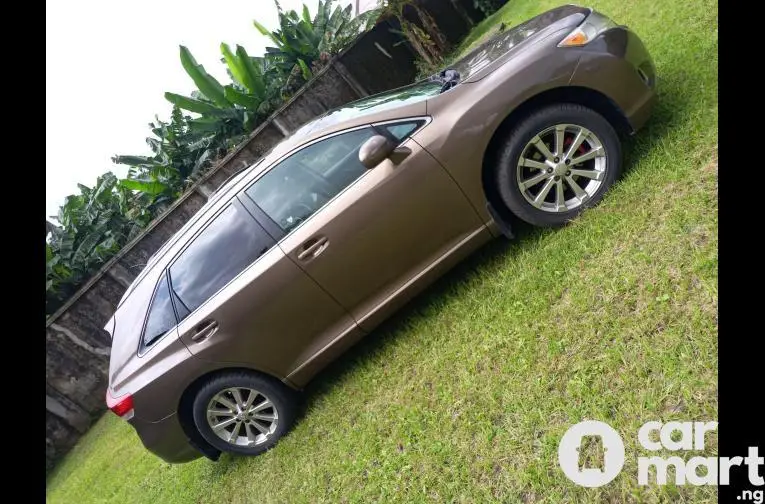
284 402
510 151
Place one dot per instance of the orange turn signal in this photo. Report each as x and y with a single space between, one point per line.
575 38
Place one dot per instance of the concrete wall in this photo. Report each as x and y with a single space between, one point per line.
77 348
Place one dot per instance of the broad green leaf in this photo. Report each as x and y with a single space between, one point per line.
192 104
307 74
105 184
202 160
144 186
205 82
202 125
239 98
87 245
322 15
263 30
234 65
255 85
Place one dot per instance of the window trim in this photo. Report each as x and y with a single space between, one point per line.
268 225
142 348
248 202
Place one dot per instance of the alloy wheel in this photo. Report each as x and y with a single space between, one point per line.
242 416
561 167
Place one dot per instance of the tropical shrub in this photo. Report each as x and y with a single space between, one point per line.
182 151
94 225
428 42
238 101
306 43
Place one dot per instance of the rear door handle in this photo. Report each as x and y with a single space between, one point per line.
312 248
205 330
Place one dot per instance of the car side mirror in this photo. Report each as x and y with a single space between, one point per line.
375 150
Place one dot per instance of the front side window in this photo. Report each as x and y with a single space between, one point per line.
301 184
230 243
161 315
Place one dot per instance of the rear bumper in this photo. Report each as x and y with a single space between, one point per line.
618 65
166 439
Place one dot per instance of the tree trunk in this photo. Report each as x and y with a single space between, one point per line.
433 31
420 46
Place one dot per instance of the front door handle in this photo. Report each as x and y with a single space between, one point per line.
204 330
312 248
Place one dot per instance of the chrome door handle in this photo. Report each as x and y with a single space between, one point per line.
313 247
205 330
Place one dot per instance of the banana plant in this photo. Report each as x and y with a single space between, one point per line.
233 103
181 150
184 147
94 225
302 40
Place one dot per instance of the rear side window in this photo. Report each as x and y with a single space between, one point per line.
161 315
230 243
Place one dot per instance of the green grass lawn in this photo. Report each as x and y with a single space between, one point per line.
464 395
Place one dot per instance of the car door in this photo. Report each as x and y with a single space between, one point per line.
365 235
241 300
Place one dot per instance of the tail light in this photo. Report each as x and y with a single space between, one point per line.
122 406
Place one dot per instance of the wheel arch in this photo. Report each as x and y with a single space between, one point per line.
186 403
579 95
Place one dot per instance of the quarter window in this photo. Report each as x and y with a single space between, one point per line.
298 186
161 315
229 244
403 130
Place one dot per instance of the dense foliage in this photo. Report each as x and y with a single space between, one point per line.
304 44
94 225
428 41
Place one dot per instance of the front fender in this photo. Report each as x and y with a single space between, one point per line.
466 118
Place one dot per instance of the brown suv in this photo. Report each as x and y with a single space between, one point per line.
302 254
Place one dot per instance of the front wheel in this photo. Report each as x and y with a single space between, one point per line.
243 413
556 162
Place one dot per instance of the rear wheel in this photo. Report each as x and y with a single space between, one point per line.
243 413
556 162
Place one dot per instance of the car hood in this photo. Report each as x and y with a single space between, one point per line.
491 54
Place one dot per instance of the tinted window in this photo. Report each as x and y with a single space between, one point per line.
403 130
161 315
301 184
233 241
